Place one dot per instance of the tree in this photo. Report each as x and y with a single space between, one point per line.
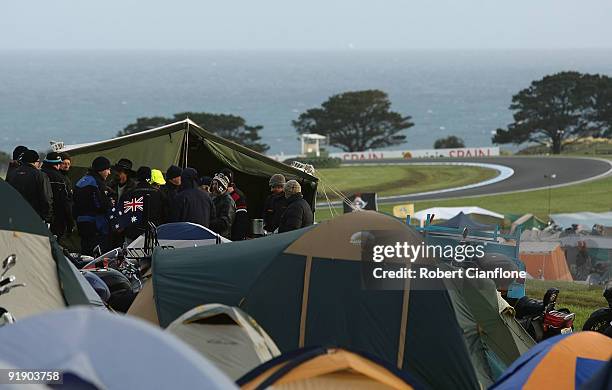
601 115
143 124
556 109
231 127
449 142
356 121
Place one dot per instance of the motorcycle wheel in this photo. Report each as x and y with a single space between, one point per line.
599 321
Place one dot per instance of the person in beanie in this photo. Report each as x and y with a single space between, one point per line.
62 213
92 206
298 213
33 184
153 207
242 224
123 182
275 204
173 184
225 208
15 162
191 204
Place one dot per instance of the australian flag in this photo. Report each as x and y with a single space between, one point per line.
129 210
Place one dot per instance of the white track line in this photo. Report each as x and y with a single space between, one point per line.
504 173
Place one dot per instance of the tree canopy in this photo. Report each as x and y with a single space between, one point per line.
559 108
356 121
231 127
449 142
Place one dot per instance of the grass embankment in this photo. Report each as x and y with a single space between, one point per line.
388 180
591 196
578 298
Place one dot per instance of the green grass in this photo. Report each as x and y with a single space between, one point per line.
578 298
398 179
591 196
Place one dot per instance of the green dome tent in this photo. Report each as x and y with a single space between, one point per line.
184 143
305 289
52 282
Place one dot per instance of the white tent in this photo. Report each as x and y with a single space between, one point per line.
107 351
182 235
226 336
445 213
587 219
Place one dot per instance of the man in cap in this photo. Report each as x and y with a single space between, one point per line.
191 204
298 213
123 182
33 184
225 208
62 214
92 206
15 162
242 224
275 204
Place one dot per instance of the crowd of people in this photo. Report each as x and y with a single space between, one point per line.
112 205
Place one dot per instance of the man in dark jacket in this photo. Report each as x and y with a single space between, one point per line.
33 185
123 182
92 206
16 161
298 213
225 208
275 204
62 214
191 204
242 224
173 184
64 170
152 209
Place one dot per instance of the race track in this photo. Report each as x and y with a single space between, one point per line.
529 174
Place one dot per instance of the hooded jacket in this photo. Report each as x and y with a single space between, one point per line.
35 187
92 203
191 204
297 215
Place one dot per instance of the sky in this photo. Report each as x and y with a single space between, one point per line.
304 25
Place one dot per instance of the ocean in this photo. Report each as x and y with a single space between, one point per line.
84 96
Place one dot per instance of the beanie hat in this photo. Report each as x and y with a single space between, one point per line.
30 156
143 174
18 152
189 178
292 187
53 158
157 177
277 180
100 164
228 174
173 172
205 180
222 180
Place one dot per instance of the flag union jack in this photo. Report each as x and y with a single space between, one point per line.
133 205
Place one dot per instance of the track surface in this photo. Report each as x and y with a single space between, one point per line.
529 174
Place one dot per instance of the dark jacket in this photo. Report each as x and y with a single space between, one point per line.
35 187
92 202
191 204
225 213
154 208
242 223
297 215
170 191
119 190
12 166
62 213
274 207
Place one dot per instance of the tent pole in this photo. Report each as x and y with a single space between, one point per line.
307 269
404 323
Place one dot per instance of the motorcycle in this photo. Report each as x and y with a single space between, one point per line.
7 283
540 318
601 319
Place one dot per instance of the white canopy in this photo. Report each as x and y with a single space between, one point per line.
107 350
446 213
